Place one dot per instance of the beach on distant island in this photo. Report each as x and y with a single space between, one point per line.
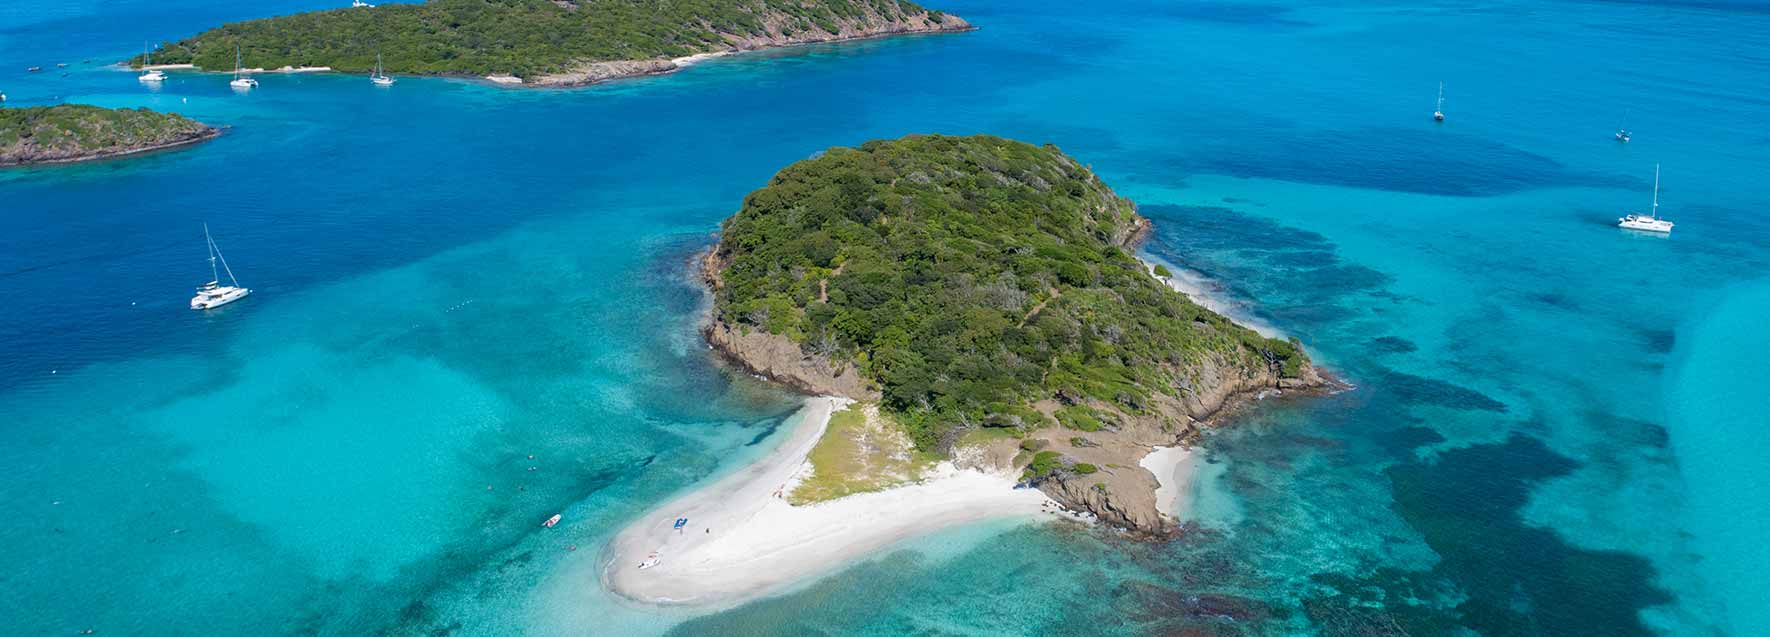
743 540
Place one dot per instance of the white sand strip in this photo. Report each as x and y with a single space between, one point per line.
687 60
1175 470
743 541
1206 293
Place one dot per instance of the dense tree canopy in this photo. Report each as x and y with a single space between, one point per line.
971 277
519 37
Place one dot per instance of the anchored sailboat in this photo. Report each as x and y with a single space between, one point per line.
1438 111
1622 132
213 294
380 77
1649 222
241 80
150 74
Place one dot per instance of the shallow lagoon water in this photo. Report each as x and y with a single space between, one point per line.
451 277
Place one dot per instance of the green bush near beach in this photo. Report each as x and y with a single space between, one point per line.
518 37
970 278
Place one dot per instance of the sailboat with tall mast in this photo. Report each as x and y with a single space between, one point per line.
213 294
380 77
150 74
1438 111
240 79
1622 132
1649 222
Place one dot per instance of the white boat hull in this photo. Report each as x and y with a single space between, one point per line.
213 298
1645 224
243 83
152 76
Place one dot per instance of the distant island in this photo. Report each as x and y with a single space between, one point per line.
972 319
541 42
76 132
983 294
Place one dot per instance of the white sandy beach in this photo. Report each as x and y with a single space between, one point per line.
687 60
1202 291
742 540
1175 471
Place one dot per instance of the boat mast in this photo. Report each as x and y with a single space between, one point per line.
213 276
1439 108
1656 191
236 63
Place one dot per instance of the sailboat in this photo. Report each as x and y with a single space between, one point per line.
1438 111
380 77
149 74
1649 222
213 294
1622 133
240 81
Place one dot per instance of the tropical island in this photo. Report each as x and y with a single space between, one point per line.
77 132
541 42
973 317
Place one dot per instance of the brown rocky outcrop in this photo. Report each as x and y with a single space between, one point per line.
777 357
1122 492
778 32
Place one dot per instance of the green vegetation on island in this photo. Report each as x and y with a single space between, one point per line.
529 38
978 282
75 132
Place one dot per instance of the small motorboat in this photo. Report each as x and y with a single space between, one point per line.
551 521
1438 111
34 69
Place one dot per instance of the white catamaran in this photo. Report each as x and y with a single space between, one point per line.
380 77
1649 222
213 294
240 80
150 74
1438 111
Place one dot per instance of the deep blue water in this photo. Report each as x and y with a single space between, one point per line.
1556 429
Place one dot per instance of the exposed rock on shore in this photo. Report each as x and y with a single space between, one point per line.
777 357
871 24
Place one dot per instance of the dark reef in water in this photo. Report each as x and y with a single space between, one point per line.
1419 390
1393 345
1511 578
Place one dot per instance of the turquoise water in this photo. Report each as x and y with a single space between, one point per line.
1555 431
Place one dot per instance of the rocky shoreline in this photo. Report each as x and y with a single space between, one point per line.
1121 492
869 27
